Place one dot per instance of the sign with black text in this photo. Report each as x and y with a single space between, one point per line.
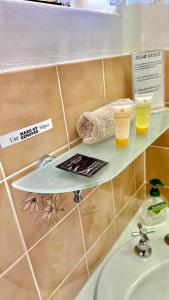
148 75
20 135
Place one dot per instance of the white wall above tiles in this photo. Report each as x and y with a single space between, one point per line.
34 34
155 26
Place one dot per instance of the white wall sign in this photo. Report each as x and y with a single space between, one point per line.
24 133
148 75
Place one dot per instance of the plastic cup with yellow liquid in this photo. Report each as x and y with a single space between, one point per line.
143 106
122 113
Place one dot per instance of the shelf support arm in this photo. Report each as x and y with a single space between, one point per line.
77 196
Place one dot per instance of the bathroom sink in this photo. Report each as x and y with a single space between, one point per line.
125 276
153 285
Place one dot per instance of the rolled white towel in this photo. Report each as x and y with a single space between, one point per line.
98 125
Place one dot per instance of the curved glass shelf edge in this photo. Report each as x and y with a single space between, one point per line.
49 179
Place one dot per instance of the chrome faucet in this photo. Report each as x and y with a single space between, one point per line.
143 249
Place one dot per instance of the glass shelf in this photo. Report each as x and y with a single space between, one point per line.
49 179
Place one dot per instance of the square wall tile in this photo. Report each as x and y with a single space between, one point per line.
56 255
18 283
97 213
139 170
157 164
34 224
125 216
101 248
29 97
124 187
141 196
82 90
73 284
167 76
118 78
11 245
163 140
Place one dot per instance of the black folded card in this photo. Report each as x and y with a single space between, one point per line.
82 165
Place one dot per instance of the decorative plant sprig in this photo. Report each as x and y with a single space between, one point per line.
32 203
48 206
49 212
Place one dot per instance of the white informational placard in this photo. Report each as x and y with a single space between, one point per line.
20 135
148 75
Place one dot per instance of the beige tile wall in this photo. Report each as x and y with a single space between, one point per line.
52 260
157 156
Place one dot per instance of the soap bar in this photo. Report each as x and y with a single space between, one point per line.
82 165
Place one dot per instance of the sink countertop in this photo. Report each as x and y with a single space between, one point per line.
87 292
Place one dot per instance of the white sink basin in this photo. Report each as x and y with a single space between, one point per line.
154 285
126 276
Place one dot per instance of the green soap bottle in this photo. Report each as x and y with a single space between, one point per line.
154 209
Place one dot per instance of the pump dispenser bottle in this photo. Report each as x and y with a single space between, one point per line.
154 209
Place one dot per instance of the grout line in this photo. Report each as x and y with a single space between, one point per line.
141 185
135 181
13 210
86 252
135 188
74 141
166 187
32 164
96 58
105 230
83 257
145 166
82 233
33 275
62 104
66 277
22 170
130 199
89 194
35 162
80 60
94 244
21 235
124 206
104 82
58 150
53 228
97 240
162 147
2 181
63 219
100 236
2 172
114 210
12 265
23 242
